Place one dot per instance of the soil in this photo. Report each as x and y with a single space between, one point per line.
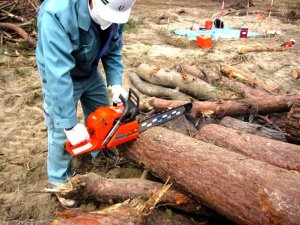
23 139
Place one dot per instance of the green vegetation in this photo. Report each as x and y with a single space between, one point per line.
35 86
132 25
2 63
20 72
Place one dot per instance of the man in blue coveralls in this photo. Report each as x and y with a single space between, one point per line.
73 36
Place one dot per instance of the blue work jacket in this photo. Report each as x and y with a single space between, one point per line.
69 47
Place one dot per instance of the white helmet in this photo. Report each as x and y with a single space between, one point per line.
112 11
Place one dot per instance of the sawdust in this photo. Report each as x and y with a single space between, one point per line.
23 139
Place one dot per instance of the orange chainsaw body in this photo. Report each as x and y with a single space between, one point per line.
99 124
109 126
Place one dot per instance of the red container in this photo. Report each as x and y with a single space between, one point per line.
208 24
244 32
204 41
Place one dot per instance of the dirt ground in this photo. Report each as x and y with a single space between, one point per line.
23 139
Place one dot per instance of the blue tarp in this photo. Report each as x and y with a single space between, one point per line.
215 33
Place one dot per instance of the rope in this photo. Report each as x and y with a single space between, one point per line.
169 13
269 18
222 12
247 10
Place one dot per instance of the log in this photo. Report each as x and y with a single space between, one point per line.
157 91
96 188
293 123
244 190
186 83
295 74
192 70
213 78
235 73
212 74
20 31
241 88
247 49
128 212
244 107
252 128
274 152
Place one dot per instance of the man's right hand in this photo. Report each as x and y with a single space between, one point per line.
77 134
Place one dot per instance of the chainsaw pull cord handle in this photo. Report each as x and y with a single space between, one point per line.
119 121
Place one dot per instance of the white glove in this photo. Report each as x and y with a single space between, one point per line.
77 134
118 90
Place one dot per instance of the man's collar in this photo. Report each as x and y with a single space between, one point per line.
84 18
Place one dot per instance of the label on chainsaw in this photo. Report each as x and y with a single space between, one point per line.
163 117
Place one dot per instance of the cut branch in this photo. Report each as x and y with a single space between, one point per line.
243 77
20 31
247 49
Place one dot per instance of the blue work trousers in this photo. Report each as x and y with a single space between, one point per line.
92 93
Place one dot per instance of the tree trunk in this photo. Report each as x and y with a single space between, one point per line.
157 91
94 187
244 190
277 153
244 107
186 83
252 128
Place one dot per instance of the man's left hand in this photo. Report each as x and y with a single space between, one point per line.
118 90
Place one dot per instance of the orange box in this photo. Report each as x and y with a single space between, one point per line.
208 24
204 41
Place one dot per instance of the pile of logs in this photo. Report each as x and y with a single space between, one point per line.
246 171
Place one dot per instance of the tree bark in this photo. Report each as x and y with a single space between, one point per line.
278 153
220 109
244 190
293 123
29 222
157 91
119 216
93 187
252 128
186 83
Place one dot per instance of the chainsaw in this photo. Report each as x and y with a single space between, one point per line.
111 126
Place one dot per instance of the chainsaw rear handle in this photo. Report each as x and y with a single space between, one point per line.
131 109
